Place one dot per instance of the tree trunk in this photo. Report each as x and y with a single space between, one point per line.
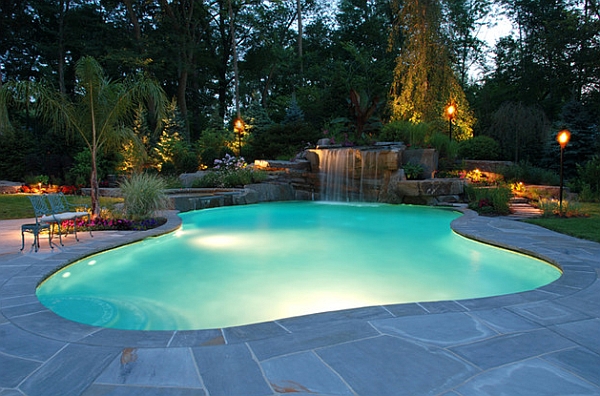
235 61
134 20
64 9
94 190
300 56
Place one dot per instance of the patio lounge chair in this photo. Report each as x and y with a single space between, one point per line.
62 210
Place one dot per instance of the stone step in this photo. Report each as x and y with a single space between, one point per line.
523 210
519 200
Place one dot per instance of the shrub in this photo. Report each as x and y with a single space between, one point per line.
445 147
479 148
551 207
411 134
282 140
229 179
229 172
489 200
588 180
213 144
143 195
529 174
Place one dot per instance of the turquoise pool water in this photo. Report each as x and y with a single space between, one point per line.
247 264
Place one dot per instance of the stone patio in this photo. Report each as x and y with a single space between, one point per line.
544 341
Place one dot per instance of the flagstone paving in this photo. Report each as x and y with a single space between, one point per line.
544 341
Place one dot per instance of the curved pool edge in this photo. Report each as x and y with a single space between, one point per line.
172 224
19 304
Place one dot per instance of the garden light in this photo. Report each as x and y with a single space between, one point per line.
451 113
562 138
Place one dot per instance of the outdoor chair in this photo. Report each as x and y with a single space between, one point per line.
61 210
42 220
35 229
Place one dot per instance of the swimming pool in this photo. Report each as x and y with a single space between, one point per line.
247 264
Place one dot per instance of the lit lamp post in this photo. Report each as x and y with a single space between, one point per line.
238 128
451 113
562 138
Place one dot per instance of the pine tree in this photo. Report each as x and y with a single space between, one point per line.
293 114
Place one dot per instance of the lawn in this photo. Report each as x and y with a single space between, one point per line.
580 227
18 206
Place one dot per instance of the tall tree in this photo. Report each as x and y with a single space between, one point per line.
101 112
424 82
465 18
554 56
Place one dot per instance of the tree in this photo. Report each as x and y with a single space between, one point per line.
101 112
424 82
520 130
553 57
465 19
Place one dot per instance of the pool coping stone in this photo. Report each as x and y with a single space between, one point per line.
545 339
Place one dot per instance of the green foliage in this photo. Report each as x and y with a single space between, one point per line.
143 195
230 179
520 130
101 113
14 150
424 81
479 148
446 148
526 173
347 44
79 173
552 207
282 141
172 154
230 172
364 123
582 146
38 179
212 145
293 114
411 134
412 171
489 200
256 118
587 182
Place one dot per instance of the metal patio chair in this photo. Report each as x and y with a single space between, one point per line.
42 221
61 210
35 229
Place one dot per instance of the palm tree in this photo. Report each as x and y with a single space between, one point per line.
101 110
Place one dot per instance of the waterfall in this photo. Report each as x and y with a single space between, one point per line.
348 174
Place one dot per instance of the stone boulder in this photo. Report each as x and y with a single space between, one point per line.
8 187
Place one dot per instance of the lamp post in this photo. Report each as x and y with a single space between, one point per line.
562 138
238 128
451 113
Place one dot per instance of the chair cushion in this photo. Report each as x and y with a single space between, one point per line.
62 217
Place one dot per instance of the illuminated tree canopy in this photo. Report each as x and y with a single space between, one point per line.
424 82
